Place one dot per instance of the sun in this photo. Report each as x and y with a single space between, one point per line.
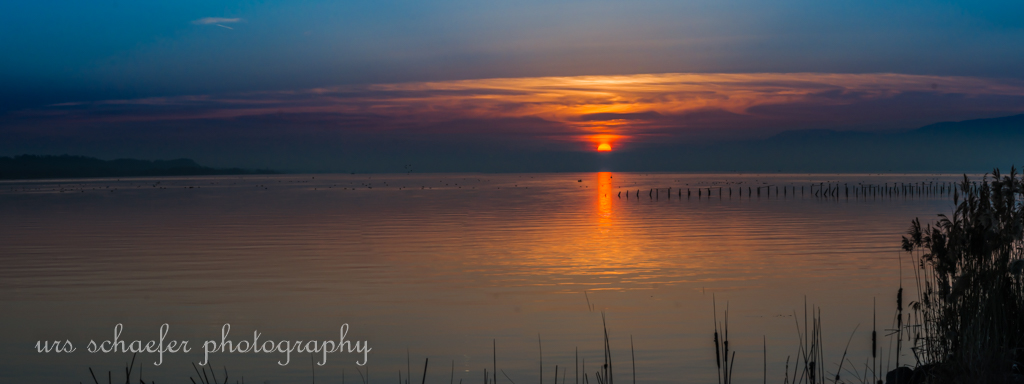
604 147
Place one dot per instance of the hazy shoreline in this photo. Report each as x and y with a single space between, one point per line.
33 167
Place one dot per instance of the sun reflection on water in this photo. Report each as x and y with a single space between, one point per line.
605 212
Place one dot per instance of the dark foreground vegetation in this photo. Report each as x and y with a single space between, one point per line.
66 166
968 320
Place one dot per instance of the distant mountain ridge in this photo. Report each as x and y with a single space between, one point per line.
964 146
999 125
1009 125
969 146
67 166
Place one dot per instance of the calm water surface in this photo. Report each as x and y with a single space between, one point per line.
442 266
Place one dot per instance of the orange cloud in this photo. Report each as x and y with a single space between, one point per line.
589 109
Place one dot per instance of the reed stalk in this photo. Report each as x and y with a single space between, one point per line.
969 313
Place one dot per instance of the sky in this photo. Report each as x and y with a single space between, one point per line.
218 81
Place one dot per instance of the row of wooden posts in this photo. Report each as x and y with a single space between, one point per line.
820 190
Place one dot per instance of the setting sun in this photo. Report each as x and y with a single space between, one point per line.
604 147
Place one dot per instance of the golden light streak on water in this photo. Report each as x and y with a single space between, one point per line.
442 265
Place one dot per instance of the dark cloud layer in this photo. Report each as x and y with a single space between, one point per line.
323 129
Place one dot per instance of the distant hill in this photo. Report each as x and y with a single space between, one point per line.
970 146
1009 125
964 146
66 166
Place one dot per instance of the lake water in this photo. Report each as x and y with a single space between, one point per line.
450 267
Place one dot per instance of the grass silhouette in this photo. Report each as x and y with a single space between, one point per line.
969 314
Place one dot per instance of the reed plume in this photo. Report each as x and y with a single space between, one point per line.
968 269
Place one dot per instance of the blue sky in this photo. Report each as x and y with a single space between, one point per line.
58 51
199 55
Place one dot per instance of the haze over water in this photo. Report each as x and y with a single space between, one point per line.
442 264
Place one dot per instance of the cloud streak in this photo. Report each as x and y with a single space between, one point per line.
589 110
216 20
